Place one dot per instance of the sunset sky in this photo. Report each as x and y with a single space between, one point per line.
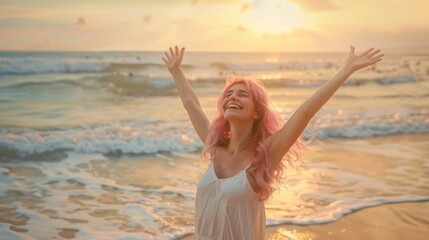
212 25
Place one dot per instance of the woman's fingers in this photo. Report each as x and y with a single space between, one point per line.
172 53
352 50
181 52
168 57
376 60
371 54
366 52
378 56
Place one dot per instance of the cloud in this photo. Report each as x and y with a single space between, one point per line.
125 24
315 6
23 31
147 18
245 7
301 33
80 22
278 6
14 12
240 28
323 40
420 49
48 44
406 36
213 2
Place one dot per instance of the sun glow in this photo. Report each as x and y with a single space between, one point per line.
275 16
284 234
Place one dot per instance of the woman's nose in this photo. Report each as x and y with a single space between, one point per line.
232 97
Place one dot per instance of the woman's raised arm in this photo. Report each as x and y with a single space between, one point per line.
189 99
280 142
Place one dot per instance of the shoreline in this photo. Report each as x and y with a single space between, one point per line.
116 178
393 221
390 221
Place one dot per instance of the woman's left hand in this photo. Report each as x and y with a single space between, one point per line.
365 59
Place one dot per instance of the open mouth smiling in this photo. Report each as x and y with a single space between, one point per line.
232 106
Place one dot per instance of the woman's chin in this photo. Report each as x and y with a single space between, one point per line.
234 117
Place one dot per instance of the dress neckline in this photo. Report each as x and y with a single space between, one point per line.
226 178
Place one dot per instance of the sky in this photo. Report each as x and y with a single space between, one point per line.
213 25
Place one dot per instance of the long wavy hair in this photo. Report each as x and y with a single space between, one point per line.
268 123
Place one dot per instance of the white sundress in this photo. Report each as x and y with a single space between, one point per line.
228 208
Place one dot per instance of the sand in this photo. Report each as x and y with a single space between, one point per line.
394 221
397 221
409 220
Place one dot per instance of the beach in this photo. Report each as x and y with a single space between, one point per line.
135 197
391 221
97 145
394 221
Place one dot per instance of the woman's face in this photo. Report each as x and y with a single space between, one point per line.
238 104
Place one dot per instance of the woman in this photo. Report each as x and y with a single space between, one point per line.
247 145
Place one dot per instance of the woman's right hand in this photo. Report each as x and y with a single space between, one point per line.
174 60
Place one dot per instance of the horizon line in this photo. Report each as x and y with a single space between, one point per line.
199 51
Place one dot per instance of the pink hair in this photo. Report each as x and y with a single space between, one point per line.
268 123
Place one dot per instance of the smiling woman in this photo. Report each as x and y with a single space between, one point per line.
248 147
269 16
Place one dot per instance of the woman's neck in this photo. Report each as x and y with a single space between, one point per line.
240 136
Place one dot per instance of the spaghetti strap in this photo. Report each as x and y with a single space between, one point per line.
248 166
214 154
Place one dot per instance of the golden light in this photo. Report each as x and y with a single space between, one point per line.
284 234
275 16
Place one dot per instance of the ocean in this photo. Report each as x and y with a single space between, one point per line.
97 145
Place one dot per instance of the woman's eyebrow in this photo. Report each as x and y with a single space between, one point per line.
240 90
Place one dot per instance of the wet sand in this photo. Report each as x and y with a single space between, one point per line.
396 221
393 221
100 198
